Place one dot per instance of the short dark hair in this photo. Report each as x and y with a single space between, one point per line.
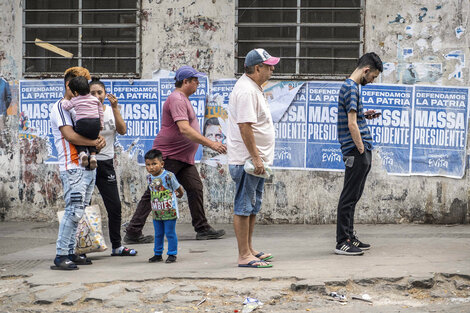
80 85
251 69
211 121
179 83
96 81
372 60
153 154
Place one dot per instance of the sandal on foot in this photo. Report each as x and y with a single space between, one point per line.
125 252
64 264
260 256
252 264
80 259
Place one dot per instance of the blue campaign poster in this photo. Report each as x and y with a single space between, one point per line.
440 131
35 100
291 133
139 101
391 131
215 120
323 149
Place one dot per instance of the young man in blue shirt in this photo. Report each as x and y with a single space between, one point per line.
356 145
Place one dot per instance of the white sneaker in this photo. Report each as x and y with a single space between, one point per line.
83 158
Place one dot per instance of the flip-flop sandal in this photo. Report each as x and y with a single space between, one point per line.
259 256
125 252
82 260
251 264
65 265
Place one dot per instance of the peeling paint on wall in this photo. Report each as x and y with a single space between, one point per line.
459 31
398 19
423 12
459 56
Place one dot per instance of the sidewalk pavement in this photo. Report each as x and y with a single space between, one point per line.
303 252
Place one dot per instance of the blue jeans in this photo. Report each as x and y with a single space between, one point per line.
78 186
168 229
248 192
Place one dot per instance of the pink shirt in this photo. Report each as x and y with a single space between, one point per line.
170 141
86 106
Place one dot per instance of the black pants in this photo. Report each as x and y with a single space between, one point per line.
89 128
188 176
107 185
357 167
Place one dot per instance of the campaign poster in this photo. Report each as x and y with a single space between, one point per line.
36 100
197 99
215 123
139 102
440 131
291 131
323 149
391 131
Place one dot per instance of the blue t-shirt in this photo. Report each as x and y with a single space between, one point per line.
350 99
162 196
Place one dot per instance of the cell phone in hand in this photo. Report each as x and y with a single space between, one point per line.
372 115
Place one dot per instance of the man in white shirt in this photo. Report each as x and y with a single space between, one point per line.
78 182
250 136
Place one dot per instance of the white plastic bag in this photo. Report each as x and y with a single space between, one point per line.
89 237
249 167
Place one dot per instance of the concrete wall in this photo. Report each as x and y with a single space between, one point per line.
177 32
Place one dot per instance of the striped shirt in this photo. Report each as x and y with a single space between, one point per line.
349 99
86 106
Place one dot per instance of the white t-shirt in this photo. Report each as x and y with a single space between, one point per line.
67 154
247 104
109 134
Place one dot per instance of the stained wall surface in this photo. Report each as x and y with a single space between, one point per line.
413 38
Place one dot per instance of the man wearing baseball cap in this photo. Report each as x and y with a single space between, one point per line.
178 140
250 136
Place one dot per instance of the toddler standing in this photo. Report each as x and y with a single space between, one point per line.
88 117
164 188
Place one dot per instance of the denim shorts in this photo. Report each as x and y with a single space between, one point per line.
248 192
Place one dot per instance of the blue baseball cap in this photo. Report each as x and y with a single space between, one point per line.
185 72
257 56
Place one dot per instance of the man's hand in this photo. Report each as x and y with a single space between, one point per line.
371 114
219 147
179 192
100 143
259 166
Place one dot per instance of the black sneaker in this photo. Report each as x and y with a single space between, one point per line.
357 243
347 248
156 258
171 259
211 233
138 240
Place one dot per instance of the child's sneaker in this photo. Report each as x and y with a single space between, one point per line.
93 162
83 158
347 248
156 258
171 259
